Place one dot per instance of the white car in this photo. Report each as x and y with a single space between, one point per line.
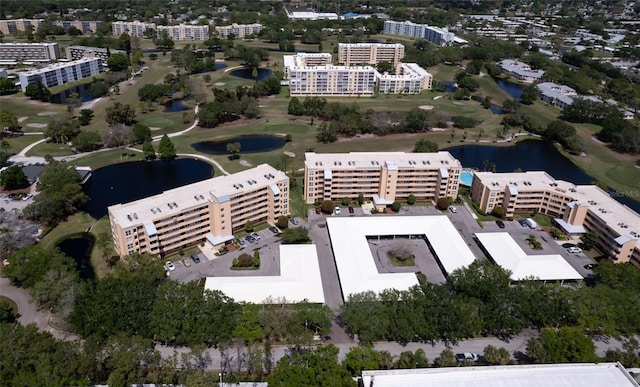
255 236
336 210
169 265
467 356
453 209
574 250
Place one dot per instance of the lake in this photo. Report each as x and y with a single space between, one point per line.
78 247
513 89
528 155
175 105
126 182
247 73
82 90
252 143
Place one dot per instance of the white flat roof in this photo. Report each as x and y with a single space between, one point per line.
356 267
299 279
508 254
547 375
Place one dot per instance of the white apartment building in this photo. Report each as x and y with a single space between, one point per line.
61 73
29 52
435 35
9 27
186 32
209 211
520 70
408 79
369 53
133 28
383 177
79 52
556 95
239 30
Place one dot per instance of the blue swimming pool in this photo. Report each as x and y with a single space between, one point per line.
466 178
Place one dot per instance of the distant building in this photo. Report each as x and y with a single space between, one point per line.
239 30
133 28
186 32
311 15
409 78
8 27
559 96
369 53
79 52
29 52
520 71
61 73
435 35
86 26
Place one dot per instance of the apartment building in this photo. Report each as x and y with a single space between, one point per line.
435 35
79 52
408 79
29 52
520 71
576 208
208 211
556 95
61 73
86 26
10 26
383 177
304 59
133 28
369 53
186 32
238 30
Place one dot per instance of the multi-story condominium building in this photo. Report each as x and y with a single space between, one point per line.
577 208
383 177
186 32
29 52
134 28
304 59
8 27
556 95
208 211
79 52
369 53
408 79
61 73
520 71
238 30
86 26
435 35
328 80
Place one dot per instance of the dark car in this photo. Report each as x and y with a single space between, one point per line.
195 258
351 211
567 245
318 210
250 239
523 223
11 196
500 223
294 221
274 229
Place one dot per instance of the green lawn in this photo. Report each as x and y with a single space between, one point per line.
49 148
77 223
541 219
16 144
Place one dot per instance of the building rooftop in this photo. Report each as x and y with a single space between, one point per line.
299 279
59 65
376 160
354 260
547 375
192 195
521 68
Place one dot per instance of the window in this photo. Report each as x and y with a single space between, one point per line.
127 233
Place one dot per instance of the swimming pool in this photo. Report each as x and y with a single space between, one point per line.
466 178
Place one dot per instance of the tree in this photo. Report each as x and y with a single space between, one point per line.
61 131
326 134
395 207
529 95
152 92
425 146
361 358
566 345
234 148
283 222
443 203
295 107
327 207
148 151
360 199
9 122
295 235
120 113
87 141
589 240
13 178
30 265
411 199
166 149
446 359
248 227
496 356
141 133
118 62
7 86
37 90
86 115
499 212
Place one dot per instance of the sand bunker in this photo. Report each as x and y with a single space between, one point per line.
21 119
219 84
47 113
246 163
458 103
290 154
154 128
36 125
426 107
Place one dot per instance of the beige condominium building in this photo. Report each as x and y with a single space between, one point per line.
208 211
350 54
10 26
132 28
238 30
408 79
577 208
383 177
186 32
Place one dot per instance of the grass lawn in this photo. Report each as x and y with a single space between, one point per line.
77 223
35 112
401 260
105 158
541 219
12 305
98 261
18 143
50 148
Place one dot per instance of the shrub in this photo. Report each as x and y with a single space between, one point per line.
422 278
411 199
345 201
442 203
245 260
498 212
282 222
327 207
248 227
395 207
361 196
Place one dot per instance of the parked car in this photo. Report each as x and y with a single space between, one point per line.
467 356
523 223
169 266
351 210
574 250
336 210
186 263
241 242
500 223
195 258
255 236
250 239
11 196
1 209
453 209
294 221
568 245
27 197
590 266
274 229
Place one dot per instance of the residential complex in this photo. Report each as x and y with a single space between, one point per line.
133 28
435 35
577 208
10 26
238 30
29 52
408 79
556 95
79 52
86 26
520 71
208 211
186 32
383 177
61 73
369 53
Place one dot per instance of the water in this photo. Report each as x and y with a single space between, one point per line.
219 66
78 247
247 73
252 143
495 109
175 105
82 90
466 178
513 89
447 87
529 155
126 182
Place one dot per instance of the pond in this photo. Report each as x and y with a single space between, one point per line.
252 143
528 155
82 90
447 87
513 89
174 105
495 109
78 247
247 73
126 182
